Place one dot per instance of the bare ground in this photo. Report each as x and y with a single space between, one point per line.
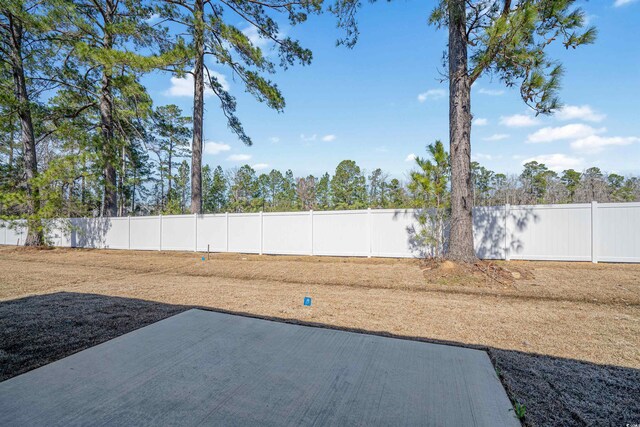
565 337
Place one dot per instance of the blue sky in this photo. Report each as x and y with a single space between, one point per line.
382 102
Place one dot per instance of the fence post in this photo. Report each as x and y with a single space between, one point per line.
261 233
370 233
129 226
507 238
195 232
311 230
160 216
594 233
226 216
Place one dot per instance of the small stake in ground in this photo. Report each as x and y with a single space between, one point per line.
307 301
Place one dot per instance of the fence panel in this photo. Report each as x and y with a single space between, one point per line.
550 232
489 232
287 233
116 233
88 232
393 233
617 229
14 233
145 232
244 233
178 233
212 231
341 233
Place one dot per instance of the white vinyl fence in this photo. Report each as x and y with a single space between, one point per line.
607 232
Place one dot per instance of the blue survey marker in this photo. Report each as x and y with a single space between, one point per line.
203 258
307 301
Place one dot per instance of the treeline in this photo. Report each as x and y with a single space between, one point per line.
539 185
242 189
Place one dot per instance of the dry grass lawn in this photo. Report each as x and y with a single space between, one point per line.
565 337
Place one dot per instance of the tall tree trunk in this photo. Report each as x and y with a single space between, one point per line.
109 154
461 234
35 235
11 141
121 184
162 200
170 166
198 110
133 192
82 187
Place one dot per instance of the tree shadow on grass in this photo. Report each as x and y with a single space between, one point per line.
40 329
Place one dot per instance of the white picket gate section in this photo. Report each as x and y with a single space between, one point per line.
606 232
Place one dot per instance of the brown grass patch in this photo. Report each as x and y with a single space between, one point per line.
555 318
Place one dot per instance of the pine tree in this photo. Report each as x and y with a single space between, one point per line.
378 189
25 50
181 197
430 188
398 197
323 193
105 38
571 180
481 183
289 200
273 188
244 192
348 186
214 187
218 193
507 39
214 32
171 141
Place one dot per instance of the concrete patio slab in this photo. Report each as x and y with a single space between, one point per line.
202 367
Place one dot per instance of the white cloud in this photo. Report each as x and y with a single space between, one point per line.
152 18
239 157
557 162
619 3
572 131
308 138
480 156
212 147
222 79
480 122
579 112
382 149
490 92
183 86
410 158
274 139
432 94
254 37
260 166
496 137
594 143
329 138
518 121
